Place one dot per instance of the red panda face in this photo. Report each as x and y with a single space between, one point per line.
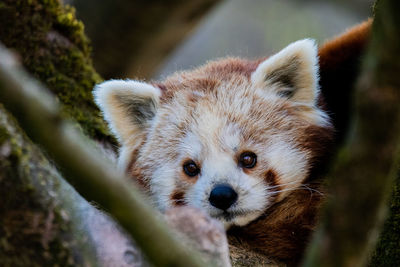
232 137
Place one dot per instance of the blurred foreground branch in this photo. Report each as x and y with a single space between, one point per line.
363 175
94 178
42 217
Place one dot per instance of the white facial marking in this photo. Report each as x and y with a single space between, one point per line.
289 162
231 137
191 146
162 184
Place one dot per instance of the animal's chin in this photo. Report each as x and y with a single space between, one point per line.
232 218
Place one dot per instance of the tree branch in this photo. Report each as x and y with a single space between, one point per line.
96 179
365 169
41 218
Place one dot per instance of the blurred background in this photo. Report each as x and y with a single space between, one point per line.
145 39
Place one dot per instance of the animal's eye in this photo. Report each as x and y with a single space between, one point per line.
247 160
190 168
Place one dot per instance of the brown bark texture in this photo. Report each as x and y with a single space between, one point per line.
362 178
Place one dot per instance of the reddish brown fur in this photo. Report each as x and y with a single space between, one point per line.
320 141
271 178
340 61
217 71
137 172
178 198
284 230
333 53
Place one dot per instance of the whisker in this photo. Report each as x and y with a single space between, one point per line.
312 189
257 184
285 190
302 187
280 185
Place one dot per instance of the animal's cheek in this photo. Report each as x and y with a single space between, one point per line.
183 192
264 174
270 176
197 194
253 200
163 184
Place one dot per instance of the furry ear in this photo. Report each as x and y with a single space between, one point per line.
292 73
127 106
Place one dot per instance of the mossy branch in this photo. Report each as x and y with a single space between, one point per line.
96 179
41 215
52 46
363 175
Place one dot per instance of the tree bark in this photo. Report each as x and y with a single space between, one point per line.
365 169
40 222
52 46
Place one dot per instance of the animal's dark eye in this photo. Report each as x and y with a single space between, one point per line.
190 168
247 160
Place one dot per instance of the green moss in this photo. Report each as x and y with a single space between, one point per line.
4 136
23 219
53 47
37 226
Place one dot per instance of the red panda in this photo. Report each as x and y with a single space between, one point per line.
245 141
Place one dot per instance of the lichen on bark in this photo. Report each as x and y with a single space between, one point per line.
52 45
39 210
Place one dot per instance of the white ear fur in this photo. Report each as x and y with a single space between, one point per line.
291 73
127 106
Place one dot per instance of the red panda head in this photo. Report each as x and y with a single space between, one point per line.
232 137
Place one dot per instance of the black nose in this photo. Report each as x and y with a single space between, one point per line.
222 196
